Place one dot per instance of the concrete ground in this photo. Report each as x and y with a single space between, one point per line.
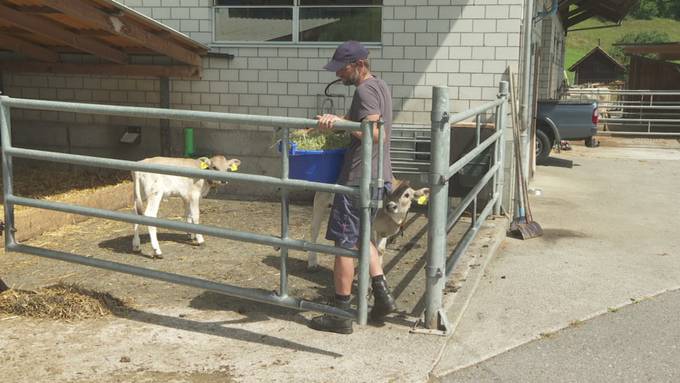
611 239
638 343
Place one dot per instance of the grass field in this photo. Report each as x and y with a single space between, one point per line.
581 42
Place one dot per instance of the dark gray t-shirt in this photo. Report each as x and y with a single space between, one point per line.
372 96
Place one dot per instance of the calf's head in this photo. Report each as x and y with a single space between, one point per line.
400 199
220 163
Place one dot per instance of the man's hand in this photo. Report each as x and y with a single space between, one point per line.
326 121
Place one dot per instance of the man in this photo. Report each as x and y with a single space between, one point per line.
371 101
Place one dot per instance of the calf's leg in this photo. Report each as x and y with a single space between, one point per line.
193 207
189 218
322 201
153 203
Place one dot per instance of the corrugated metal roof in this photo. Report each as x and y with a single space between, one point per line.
42 32
576 11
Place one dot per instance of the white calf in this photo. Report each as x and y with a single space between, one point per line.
153 187
388 222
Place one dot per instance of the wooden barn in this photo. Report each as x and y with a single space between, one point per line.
597 66
654 74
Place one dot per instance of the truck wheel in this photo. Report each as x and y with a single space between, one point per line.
543 146
592 142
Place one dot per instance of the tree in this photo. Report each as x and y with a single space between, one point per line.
648 9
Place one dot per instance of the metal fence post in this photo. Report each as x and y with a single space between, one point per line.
6 137
438 209
283 277
501 119
365 238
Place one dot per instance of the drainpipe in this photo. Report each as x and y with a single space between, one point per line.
526 95
552 12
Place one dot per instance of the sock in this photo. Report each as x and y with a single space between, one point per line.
342 298
378 279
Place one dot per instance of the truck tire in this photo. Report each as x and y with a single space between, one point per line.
592 142
543 146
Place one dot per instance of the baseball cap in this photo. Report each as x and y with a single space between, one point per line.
348 52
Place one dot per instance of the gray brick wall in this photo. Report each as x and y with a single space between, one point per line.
553 43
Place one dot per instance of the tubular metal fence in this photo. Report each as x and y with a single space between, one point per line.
441 217
634 112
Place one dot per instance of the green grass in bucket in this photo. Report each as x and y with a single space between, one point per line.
312 139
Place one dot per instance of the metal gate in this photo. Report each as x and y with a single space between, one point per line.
443 217
283 242
634 112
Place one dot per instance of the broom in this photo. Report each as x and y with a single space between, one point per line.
522 226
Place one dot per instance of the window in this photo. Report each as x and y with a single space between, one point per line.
297 21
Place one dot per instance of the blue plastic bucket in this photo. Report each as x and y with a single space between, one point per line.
315 165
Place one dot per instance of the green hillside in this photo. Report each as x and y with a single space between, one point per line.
581 42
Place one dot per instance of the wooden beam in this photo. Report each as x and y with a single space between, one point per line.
28 49
39 9
53 30
120 26
669 56
656 48
174 71
579 18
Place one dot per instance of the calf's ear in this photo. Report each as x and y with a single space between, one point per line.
421 196
421 192
206 163
233 164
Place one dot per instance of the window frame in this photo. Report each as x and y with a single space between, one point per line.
295 42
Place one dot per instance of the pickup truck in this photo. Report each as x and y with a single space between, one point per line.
558 120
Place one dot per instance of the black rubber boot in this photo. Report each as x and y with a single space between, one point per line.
331 323
384 302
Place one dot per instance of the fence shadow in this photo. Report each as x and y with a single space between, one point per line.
219 329
124 244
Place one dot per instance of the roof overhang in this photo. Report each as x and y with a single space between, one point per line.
104 37
577 11
663 51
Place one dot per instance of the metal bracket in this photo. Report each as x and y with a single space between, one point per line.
443 325
443 119
434 272
437 179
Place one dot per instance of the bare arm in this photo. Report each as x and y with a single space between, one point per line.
374 118
326 122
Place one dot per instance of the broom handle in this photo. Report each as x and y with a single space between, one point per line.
518 157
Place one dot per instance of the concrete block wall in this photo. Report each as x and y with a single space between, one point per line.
553 45
463 44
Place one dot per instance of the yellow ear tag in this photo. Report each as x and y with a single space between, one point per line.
233 167
204 165
422 200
